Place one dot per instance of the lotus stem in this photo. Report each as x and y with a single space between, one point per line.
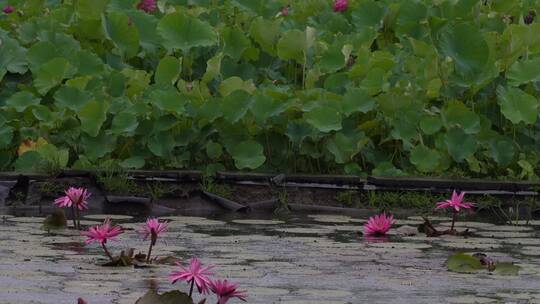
454 216
78 218
191 288
107 253
149 253
73 216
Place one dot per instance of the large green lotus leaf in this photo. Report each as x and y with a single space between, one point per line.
460 145
5 160
124 35
98 146
265 107
248 155
124 122
357 100
502 150
92 116
456 114
332 60
214 150
386 168
524 71
90 9
12 56
266 33
324 119
171 297
517 106
71 98
88 63
430 124
28 162
52 73
40 53
180 31
235 83
146 25
235 106
135 162
375 81
425 159
235 42
22 100
137 81
465 44
292 46
209 111
213 68
368 13
168 70
161 144
297 131
411 19
54 155
345 147
168 100
44 115
404 128
6 135
463 263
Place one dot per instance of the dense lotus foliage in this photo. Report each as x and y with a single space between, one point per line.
388 87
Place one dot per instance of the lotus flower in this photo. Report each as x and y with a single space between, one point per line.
152 228
8 9
226 291
194 274
101 234
148 6
340 5
455 202
378 225
77 197
285 11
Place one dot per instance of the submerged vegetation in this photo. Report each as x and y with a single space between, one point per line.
392 87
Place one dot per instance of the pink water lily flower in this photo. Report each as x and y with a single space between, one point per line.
81 301
195 274
226 291
340 5
148 6
77 197
8 9
102 233
152 228
455 202
378 225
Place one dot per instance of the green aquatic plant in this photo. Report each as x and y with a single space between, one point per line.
304 89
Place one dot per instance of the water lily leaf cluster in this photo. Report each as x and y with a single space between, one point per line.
390 87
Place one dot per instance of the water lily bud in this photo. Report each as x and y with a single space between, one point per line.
8 9
340 5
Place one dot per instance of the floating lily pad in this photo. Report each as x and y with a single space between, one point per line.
506 269
325 293
299 230
114 217
26 219
505 234
258 222
510 228
471 300
463 263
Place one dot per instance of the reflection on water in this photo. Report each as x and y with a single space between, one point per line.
302 259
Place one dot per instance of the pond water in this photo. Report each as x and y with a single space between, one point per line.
306 259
